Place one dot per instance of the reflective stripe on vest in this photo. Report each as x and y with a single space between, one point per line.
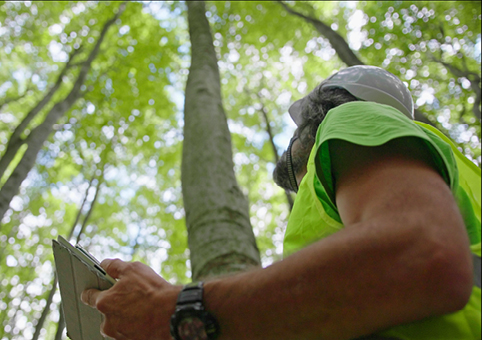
477 270
376 337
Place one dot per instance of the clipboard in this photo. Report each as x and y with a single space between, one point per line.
77 270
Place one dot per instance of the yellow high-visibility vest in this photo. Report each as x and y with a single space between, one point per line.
315 217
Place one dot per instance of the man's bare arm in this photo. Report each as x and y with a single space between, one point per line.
403 256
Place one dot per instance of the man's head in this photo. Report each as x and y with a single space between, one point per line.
367 83
315 107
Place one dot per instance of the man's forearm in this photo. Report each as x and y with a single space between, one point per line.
354 283
402 256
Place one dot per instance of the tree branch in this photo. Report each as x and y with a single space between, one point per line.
92 204
341 47
473 77
79 213
38 135
13 99
264 114
15 141
338 43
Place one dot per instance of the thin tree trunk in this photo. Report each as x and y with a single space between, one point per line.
13 319
61 324
46 309
15 141
92 204
136 245
77 218
38 135
220 236
343 50
264 113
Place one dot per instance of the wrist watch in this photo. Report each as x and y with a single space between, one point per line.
191 321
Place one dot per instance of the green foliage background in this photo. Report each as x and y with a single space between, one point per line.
121 143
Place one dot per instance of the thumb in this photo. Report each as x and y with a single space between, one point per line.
90 296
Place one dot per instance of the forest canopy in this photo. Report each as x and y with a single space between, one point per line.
91 119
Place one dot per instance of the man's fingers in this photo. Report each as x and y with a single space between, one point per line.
114 267
89 297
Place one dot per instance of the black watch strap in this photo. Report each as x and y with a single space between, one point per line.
191 293
191 320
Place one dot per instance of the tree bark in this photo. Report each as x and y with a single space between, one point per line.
343 50
38 135
220 236
15 141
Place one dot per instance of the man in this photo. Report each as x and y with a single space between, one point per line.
379 240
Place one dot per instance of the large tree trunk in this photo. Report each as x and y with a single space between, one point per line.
220 236
39 134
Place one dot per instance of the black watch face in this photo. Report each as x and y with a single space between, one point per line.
191 328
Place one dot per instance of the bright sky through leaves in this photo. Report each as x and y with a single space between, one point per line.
122 139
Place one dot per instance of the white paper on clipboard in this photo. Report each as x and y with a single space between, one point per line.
77 270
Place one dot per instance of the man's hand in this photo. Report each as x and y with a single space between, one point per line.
138 306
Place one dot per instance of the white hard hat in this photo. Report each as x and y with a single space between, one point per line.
368 83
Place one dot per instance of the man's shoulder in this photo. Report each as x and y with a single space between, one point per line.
366 123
